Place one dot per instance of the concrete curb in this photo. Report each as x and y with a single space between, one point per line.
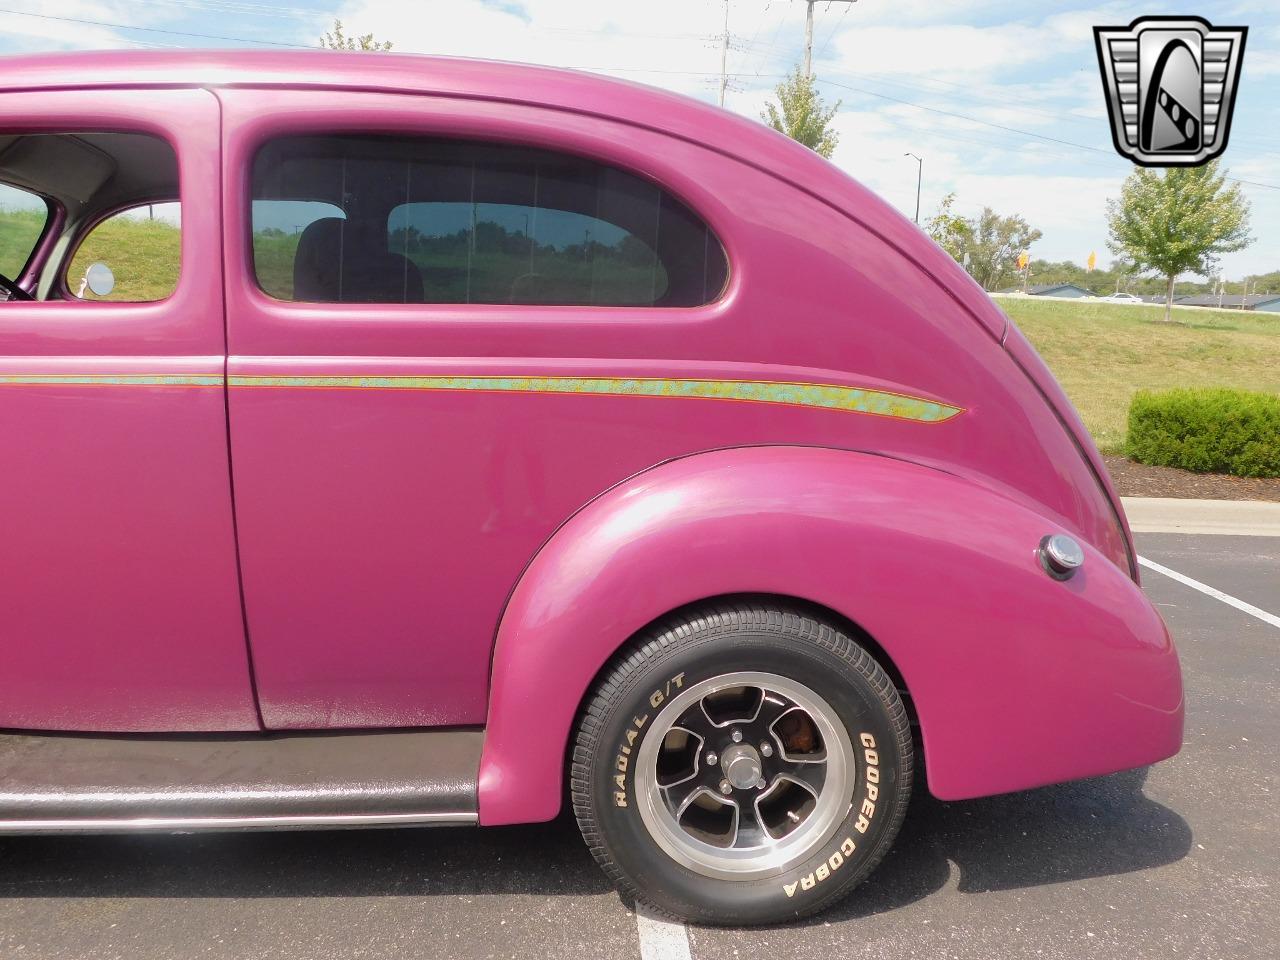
1246 518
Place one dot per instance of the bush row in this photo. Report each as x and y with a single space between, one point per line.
1207 431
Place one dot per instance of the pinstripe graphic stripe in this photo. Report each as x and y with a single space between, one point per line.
110 380
820 395
828 396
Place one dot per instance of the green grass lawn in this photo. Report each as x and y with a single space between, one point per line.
19 232
1101 353
144 255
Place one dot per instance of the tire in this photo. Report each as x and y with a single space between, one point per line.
663 791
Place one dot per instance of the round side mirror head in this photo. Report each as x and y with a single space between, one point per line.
100 279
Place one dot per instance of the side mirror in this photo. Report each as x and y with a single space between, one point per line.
99 279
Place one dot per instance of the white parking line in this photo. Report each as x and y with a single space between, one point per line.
660 939
1204 588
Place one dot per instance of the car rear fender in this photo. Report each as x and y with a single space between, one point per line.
1018 679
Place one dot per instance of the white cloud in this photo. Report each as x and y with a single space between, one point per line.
639 41
79 25
951 50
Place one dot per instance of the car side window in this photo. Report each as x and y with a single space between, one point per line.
348 219
113 198
23 218
142 248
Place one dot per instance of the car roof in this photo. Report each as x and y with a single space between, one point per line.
555 87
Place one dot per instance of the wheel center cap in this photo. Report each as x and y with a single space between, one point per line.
741 765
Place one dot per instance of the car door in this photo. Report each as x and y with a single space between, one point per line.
397 464
120 607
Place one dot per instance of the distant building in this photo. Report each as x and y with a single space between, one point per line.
1265 302
1053 290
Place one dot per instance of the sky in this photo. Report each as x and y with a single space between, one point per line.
1002 100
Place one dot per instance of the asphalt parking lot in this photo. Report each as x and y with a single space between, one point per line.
1181 860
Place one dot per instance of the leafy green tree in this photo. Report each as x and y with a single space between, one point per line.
337 40
1265 282
991 241
952 232
1177 221
996 243
803 115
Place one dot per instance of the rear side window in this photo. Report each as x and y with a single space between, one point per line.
23 218
390 220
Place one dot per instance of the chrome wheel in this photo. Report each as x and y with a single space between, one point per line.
741 776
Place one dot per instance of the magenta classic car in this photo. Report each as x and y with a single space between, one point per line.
393 440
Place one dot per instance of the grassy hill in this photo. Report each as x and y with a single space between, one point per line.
144 255
1102 352
19 231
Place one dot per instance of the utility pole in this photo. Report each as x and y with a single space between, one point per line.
919 178
808 31
724 55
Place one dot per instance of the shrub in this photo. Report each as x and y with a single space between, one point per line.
1208 431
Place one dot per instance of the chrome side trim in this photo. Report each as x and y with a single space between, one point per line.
193 824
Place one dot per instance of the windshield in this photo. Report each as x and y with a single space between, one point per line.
23 216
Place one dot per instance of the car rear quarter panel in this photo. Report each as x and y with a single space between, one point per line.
1018 679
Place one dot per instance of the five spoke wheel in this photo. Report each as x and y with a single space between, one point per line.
744 772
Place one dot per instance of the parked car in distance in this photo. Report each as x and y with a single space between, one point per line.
1119 297
400 441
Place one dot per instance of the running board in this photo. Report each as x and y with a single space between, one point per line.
81 783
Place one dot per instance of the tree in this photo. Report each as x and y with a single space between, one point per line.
952 232
1179 221
337 40
997 241
802 115
1265 282
992 242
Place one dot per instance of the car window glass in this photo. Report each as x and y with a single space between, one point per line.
23 217
277 227
437 221
142 247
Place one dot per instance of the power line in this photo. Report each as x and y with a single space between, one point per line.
171 33
234 6
782 21
834 30
808 31
1001 126
962 116
833 83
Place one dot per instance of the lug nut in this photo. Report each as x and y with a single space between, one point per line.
737 736
725 787
712 758
766 750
